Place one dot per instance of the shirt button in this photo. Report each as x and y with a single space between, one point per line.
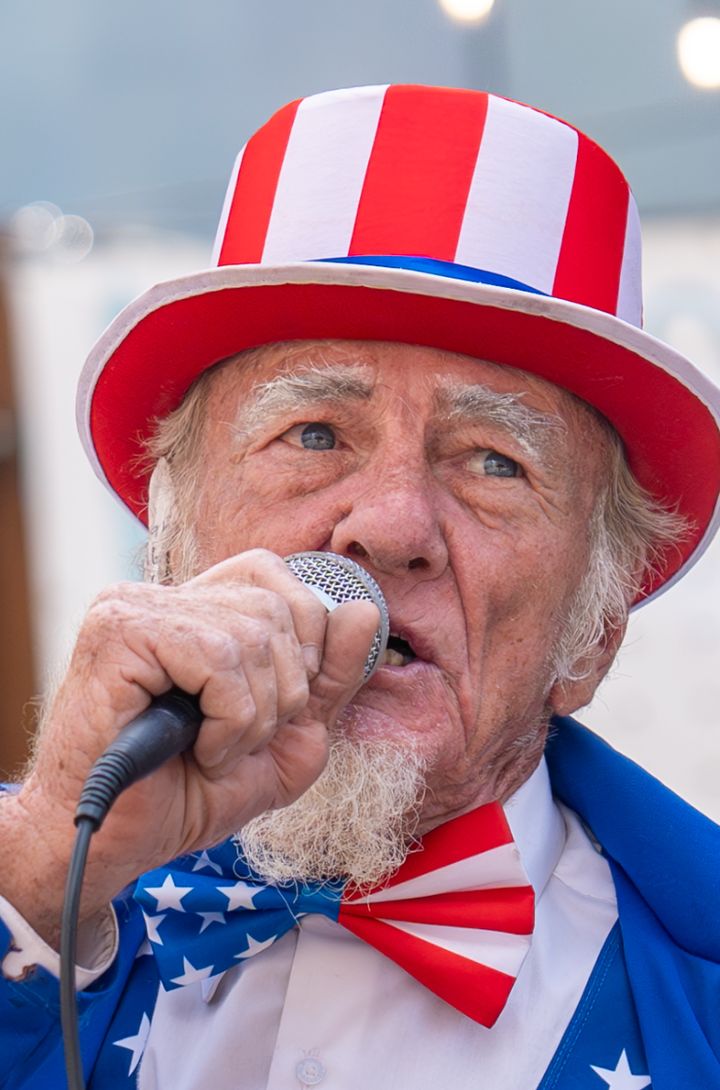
310 1071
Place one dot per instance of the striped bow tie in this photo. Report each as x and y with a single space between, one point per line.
457 915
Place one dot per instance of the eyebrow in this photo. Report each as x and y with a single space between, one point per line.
533 429
324 384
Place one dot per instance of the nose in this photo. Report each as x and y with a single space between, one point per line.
395 526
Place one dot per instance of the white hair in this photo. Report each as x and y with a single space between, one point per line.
630 537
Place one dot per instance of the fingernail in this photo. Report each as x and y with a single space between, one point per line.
311 658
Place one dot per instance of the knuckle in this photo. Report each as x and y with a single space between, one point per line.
112 609
277 611
244 710
264 560
313 608
254 636
295 696
219 648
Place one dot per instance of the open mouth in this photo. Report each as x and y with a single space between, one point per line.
398 653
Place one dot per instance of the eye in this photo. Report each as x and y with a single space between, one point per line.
313 436
493 464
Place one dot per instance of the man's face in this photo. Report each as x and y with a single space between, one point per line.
465 488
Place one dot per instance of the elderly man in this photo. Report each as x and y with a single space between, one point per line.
420 350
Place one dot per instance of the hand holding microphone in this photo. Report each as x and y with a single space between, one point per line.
171 724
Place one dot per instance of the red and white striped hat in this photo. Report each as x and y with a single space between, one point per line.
430 216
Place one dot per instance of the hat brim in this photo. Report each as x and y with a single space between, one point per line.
665 410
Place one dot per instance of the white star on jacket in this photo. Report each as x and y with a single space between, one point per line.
622 1078
136 1044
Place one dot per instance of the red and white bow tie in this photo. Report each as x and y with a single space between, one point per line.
457 916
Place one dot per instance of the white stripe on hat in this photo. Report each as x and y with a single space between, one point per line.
629 304
494 869
519 195
322 175
229 194
496 949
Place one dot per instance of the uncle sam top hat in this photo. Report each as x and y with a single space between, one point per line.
431 216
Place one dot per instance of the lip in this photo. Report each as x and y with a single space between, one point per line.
423 647
387 677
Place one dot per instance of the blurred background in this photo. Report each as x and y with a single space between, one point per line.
118 129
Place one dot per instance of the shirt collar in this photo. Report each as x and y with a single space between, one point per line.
537 827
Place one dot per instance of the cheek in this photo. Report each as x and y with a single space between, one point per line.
268 510
516 590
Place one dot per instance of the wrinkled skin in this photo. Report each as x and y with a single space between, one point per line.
478 572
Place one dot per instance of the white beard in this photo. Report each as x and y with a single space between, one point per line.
357 821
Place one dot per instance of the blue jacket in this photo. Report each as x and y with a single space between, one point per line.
665 861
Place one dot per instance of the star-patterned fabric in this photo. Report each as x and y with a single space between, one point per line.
621 1077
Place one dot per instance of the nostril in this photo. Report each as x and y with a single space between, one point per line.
418 562
356 549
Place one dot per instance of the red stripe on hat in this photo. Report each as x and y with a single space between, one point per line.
590 260
255 188
419 173
510 909
474 989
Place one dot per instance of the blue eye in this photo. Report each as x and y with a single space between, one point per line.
317 437
493 464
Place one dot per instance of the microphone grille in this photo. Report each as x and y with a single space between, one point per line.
335 579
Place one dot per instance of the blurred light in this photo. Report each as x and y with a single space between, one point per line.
74 239
467 11
698 49
43 228
34 226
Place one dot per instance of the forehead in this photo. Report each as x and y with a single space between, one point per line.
385 370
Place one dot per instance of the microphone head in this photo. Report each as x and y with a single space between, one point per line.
335 579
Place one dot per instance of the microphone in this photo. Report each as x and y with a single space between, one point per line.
171 723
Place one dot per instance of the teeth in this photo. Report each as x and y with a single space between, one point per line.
394 658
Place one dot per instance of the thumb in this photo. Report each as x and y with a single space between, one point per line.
349 634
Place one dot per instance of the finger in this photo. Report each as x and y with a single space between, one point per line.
252 724
264 569
239 702
351 629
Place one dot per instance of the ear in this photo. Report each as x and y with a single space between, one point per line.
567 696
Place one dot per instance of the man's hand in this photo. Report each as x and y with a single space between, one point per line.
273 670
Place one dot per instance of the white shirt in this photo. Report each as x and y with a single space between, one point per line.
322 1008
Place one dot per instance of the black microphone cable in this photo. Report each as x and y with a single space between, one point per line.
166 728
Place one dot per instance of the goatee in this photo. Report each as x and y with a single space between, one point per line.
358 820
